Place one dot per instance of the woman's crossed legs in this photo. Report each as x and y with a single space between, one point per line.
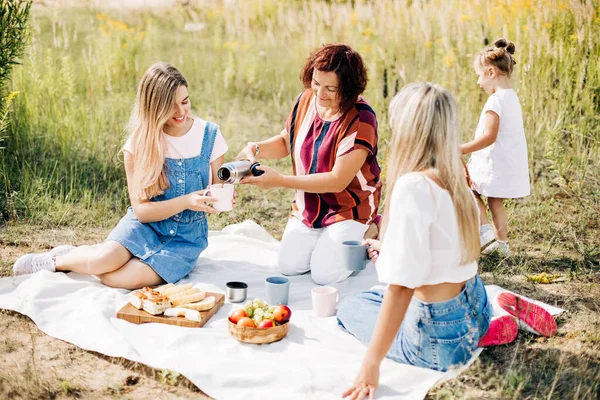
114 265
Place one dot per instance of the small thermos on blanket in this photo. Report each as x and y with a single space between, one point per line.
232 172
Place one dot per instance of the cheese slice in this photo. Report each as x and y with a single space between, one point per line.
191 298
192 315
203 305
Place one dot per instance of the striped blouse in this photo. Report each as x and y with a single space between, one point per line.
316 144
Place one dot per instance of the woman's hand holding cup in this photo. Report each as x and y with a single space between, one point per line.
373 247
198 201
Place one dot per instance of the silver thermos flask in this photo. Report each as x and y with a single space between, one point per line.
232 172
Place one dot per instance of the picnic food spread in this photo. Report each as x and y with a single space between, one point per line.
171 304
186 300
183 305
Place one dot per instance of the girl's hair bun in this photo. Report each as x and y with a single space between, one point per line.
503 43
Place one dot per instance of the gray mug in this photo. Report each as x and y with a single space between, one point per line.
277 290
354 255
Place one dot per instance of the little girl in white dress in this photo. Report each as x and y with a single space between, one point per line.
498 166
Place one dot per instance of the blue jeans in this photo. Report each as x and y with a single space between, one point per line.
438 335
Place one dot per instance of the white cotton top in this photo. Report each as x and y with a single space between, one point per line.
190 144
502 169
422 243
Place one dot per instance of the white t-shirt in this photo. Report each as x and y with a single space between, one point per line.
502 169
190 144
422 243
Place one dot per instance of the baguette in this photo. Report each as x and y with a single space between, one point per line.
136 302
162 288
140 296
204 305
156 307
177 289
183 294
191 298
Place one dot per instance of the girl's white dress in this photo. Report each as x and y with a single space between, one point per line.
502 170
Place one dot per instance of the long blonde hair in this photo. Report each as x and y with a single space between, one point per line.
152 109
425 127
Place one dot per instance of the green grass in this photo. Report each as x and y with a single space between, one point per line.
61 165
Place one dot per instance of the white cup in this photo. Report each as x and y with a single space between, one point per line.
224 193
325 300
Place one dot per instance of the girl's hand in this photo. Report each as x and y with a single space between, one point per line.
247 153
197 201
269 179
365 384
373 249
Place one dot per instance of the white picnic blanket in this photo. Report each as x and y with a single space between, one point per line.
315 361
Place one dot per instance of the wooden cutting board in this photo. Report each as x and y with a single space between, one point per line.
132 314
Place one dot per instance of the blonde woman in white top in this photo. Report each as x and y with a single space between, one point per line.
498 166
435 308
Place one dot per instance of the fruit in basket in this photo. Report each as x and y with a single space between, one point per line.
259 311
238 314
266 323
247 322
282 314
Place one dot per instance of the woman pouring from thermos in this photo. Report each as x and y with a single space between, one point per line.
331 136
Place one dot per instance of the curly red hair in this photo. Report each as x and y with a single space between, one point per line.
347 64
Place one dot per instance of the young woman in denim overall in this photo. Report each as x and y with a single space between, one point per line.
172 246
170 158
435 308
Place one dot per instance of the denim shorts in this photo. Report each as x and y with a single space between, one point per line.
438 336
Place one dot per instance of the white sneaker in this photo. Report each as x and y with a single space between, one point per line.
486 235
32 263
498 247
61 250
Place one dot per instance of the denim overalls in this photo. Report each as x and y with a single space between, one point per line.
172 246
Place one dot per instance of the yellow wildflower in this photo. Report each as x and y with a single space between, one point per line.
449 60
544 277
367 32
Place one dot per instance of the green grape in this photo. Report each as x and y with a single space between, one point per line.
248 304
271 309
258 303
257 319
249 311
268 316
259 311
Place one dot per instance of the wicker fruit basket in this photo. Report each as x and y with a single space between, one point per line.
258 335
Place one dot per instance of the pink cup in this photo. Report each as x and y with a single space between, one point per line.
223 192
325 300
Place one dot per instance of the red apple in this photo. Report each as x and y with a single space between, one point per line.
282 314
237 315
246 321
265 323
